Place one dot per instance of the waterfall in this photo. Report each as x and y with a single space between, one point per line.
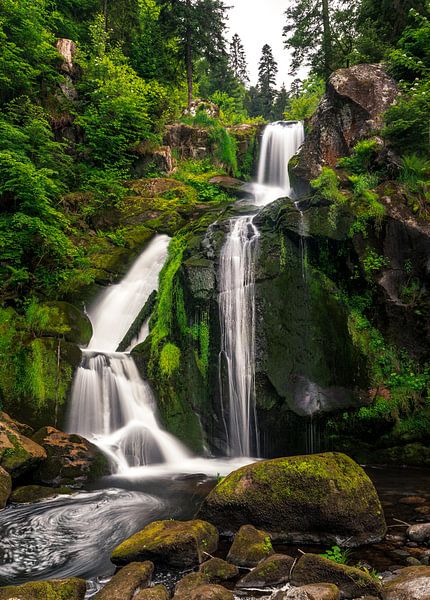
110 404
237 317
280 143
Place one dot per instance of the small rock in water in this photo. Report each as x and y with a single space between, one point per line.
413 500
250 546
188 583
272 571
158 592
125 583
413 562
412 583
217 569
423 510
319 591
419 533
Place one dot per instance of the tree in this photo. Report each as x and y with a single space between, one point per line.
267 71
321 35
199 26
281 103
238 63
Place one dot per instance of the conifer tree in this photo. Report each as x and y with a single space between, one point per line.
267 71
238 63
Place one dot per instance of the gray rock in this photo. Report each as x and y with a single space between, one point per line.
412 583
419 533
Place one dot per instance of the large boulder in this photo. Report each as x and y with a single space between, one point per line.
412 583
323 498
352 582
18 453
169 543
56 589
127 582
271 572
71 459
351 109
5 487
250 546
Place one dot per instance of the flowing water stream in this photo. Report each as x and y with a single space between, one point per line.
280 143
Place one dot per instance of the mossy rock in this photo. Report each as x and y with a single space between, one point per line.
157 592
169 543
322 498
18 453
65 315
56 589
273 571
127 582
250 546
5 487
208 592
317 591
34 493
412 583
352 582
217 569
416 455
188 583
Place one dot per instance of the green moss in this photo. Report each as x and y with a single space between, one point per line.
67 589
170 359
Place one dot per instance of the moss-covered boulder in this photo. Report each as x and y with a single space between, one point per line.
188 583
352 582
169 543
72 460
129 580
67 320
157 592
412 583
56 589
322 498
34 493
217 569
273 571
18 453
250 546
318 591
208 592
5 487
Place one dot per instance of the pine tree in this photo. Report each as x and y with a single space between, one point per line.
267 71
199 25
281 104
238 63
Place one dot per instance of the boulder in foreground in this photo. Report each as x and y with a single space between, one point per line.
127 582
56 589
412 583
274 571
352 582
169 543
323 498
250 546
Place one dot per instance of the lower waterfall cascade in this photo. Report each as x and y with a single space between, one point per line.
280 143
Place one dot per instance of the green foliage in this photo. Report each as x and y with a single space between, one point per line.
224 148
303 103
328 186
373 263
338 555
362 159
415 175
170 359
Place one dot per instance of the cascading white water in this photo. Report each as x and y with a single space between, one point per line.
280 143
111 405
237 317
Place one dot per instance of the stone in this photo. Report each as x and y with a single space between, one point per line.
412 500
148 159
229 184
5 487
157 592
351 109
56 589
35 493
419 533
75 324
67 49
250 546
319 591
209 592
351 581
18 453
129 580
272 571
322 498
170 543
71 459
188 583
216 569
188 141
412 583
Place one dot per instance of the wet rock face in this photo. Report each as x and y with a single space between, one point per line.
190 142
169 543
71 459
351 110
18 453
323 498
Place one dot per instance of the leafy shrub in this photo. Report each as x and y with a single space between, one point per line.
338 555
362 158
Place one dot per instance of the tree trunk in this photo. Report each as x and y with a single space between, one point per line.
189 52
327 40
105 14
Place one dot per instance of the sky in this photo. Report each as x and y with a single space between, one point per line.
260 22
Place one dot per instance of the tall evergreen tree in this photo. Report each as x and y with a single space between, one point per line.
267 71
321 34
199 25
281 104
238 63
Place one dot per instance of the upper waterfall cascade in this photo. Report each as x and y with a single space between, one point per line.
111 405
280 143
